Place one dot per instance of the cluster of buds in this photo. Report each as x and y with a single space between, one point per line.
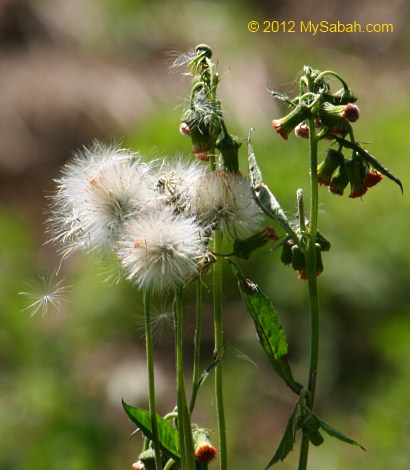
330 115
336 172
293 254
203 120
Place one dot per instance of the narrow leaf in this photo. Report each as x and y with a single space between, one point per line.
370 159
168 436
288 439
268 328
263 196
332 431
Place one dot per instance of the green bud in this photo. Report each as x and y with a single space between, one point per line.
147 458
337 116
285 125
311 427
339 181
323 242
356 171
329 165
286 255
298 259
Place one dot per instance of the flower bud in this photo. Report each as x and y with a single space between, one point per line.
351 112
323 242
355 172
298 259
204 450
228 146
203 49
371 178
286 255
199 133
328 167
302 130
335 117
286 124
311 427
146 460
339 181
244 248
184 129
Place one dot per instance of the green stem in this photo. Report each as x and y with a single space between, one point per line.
184 422
312 284
151 377
197 344
218 326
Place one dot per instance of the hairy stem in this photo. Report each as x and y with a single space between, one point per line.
184 422
218 326
312 284
151 377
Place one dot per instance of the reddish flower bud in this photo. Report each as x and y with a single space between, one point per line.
372 178
244 248
184 129
138 465
286 124
204 450
351 112
302 130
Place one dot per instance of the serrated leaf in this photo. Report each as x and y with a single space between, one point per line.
263 196
168 436
288 439
332 431
370 159
268 328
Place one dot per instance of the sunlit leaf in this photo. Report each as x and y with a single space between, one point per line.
269 330
168 436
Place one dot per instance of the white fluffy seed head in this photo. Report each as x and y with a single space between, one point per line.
174 179
161 249
100 190
224 200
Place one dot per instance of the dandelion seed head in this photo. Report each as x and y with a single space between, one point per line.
174 179
225 201
98 192
161 249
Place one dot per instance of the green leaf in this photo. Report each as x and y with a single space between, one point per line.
332 431
288 439
370 159
269 330
263 196
168 436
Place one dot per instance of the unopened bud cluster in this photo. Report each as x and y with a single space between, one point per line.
330 116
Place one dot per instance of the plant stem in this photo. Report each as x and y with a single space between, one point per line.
312 284
218 327
184 422
151 377
197 344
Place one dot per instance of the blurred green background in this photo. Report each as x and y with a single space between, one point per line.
84 69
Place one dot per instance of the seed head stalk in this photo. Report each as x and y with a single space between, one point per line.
151 378
218 326
312 285
184 422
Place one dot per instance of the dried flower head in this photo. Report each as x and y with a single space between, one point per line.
161 249
100 190
225 201
175 177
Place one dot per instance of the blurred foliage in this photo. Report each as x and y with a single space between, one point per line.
63 376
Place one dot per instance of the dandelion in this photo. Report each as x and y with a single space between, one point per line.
162 249
225 201
175 177
100 190
45 293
